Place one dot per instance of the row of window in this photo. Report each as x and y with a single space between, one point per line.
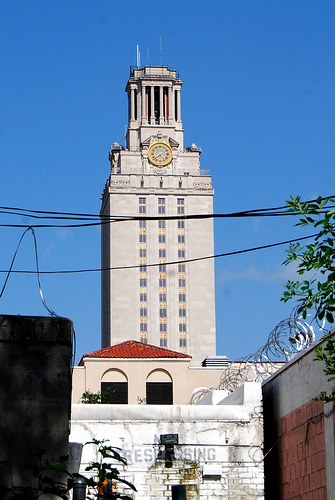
181 276
157 393
162 276
161 207
162 273
143 273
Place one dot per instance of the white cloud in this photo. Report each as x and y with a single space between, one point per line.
278 273
64 233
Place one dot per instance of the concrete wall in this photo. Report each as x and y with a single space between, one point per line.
35 392
219 454
298 432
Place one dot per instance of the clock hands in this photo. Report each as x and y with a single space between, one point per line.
156 156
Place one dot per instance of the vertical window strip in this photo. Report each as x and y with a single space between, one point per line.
181 276
161 235
142 225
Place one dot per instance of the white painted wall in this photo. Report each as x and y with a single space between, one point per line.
219 454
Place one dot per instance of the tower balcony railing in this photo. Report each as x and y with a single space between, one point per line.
160 75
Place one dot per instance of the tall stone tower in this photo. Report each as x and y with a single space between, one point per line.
153 287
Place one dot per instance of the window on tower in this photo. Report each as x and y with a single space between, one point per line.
142 206
161 205
180 206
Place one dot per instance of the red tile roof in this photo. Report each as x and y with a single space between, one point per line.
135 349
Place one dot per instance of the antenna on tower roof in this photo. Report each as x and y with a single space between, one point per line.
161 50
138 57
148 57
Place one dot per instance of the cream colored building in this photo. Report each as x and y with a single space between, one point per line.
138 373
154 288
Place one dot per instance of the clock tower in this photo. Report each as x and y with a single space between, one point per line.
156 286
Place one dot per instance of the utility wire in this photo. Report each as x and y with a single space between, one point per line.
75 215
35 272
106 219
112 219
197 259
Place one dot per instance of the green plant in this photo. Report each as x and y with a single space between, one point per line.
48 478
46 471
105 473
89 397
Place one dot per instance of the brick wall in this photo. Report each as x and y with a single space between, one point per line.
302 454
298 432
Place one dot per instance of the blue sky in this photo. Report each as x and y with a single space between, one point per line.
257 98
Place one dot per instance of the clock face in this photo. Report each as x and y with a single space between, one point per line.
160 154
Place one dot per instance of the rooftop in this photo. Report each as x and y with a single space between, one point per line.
136 350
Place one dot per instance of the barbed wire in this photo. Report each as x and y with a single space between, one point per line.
287 339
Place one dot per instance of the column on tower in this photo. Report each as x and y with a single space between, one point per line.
178 115
144 105
166 104
161 115
170 102
132 104
152 107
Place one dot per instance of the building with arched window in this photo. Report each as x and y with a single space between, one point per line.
137 373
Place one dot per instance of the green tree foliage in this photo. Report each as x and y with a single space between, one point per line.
94 398
317 293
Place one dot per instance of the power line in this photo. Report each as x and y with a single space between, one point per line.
106 219
137 266
75 215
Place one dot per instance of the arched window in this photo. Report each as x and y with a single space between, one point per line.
159 388
114 387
